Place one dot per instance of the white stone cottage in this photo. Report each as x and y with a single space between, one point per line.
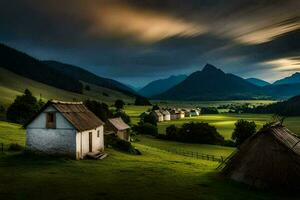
65 128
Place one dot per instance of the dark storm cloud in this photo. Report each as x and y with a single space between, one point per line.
153 38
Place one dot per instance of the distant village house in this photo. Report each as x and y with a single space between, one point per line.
166 115
158 115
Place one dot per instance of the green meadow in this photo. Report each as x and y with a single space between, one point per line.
156 174
224 122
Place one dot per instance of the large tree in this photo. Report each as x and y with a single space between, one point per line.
243 130
23 108
119 104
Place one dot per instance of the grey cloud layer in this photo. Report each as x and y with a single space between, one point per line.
134 38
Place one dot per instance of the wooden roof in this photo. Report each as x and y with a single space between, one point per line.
287 138
118 123
268 159
76 113
165 112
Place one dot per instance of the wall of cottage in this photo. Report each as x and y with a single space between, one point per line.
82 141
61 140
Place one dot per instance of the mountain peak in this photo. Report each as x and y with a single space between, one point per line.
210 68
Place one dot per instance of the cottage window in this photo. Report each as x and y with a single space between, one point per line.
98 133
50 120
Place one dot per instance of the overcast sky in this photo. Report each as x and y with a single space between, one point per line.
136 41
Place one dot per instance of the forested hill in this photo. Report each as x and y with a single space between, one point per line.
86 76
29 67
290 107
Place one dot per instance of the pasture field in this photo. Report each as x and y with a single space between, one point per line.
200 148
224 122
156 174
193 104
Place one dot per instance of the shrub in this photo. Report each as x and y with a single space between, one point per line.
101 110
201 133
151 119
119 104
146 128
87 87
120 144
142 101
123 115
172 132
105 94
15 147
155 107
229 143
23 108
243 130
209 110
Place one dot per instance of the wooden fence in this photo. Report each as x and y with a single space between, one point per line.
192 154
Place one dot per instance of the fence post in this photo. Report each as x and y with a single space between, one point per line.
2 148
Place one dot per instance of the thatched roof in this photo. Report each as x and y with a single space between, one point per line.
269 159
76 113
119 124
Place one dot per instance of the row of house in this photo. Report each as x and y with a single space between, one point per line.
69 128
172 114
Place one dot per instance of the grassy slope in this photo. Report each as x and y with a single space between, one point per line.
200 148
12 84
153 175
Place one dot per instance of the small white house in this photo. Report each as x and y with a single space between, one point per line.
166 115
180 114
65 128
194 112
173 114
158 115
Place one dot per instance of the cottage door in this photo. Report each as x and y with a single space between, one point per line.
90 142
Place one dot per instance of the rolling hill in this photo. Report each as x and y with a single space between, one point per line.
290 107
12 84
293 79
159 86
212 84
86 76
29 67
53 80
258 82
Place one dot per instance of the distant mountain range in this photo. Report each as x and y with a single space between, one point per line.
59 75
212 83
161 85
295 78
258 82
